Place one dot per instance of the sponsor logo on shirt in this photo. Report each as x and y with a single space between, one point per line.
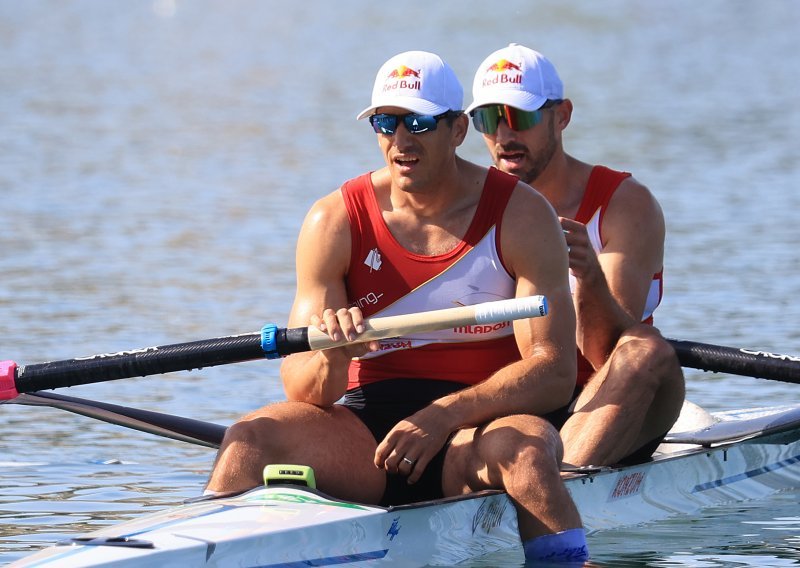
368 299
482 329
373 260
394 344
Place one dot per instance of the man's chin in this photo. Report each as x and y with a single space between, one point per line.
513 167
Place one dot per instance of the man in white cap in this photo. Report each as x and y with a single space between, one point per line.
630 384
442 413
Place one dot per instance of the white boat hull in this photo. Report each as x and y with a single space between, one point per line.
285 526
758 455
685 482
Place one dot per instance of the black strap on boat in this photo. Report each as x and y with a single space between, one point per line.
122 541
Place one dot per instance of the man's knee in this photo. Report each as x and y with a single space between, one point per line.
526 441
245 431
258 428
532 456
649 357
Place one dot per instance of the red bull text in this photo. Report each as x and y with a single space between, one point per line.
402 75
501 73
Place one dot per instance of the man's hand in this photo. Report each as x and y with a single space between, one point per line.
344 324
583 263
409 447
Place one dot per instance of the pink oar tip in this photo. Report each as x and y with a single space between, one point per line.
8 378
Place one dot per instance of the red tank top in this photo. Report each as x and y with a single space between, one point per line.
385 279
602 184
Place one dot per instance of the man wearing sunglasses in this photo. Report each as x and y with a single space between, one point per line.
438 413
630 385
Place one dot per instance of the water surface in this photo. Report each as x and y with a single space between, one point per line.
158 157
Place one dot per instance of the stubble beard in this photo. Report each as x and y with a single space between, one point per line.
536 163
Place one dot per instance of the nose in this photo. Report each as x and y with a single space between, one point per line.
504 132
402 137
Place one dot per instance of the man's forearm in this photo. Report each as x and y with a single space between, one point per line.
600 320
318 378
524 387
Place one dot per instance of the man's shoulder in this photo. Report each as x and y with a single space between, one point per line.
633 204
527 204
620 186
632 192
327 211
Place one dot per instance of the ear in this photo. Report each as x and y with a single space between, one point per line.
563 114
460 128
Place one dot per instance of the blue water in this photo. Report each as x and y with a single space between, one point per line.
157 158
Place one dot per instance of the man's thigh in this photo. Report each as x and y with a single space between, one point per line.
333 441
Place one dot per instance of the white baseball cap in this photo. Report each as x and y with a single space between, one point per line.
516 76
418 81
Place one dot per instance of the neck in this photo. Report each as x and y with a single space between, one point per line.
563 183
433 218
438 196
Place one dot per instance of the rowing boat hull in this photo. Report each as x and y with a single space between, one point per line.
687 481
290 526
748 455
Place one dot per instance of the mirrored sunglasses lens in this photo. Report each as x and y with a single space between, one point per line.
521 119
383 123
418 123
485 119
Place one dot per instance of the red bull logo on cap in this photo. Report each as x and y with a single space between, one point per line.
402 78
403 71
502 72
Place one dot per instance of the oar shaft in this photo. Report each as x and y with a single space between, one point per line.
160 424
271 342
737 361
138 362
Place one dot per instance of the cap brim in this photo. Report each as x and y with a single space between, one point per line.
411 104
517 99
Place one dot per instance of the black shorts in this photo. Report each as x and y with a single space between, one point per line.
380 406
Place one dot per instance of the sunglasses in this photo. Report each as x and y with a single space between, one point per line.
486 118
415 123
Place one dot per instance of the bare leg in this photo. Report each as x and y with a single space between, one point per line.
634 398
332 441
520 454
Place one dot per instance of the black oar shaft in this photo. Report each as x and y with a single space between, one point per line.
156 360
737 361
160 424
139 362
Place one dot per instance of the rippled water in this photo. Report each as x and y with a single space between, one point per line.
157 158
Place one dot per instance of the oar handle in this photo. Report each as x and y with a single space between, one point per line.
271 342
737 361
406 324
